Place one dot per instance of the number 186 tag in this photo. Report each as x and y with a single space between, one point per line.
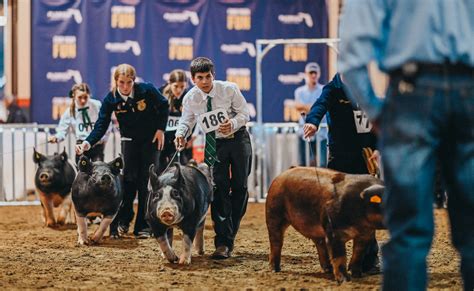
211 120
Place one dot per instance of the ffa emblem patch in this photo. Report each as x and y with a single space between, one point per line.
141 105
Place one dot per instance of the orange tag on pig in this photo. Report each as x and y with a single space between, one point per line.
375 199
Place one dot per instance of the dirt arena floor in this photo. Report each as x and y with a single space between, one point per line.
34 257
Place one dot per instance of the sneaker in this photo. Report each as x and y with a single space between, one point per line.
122 229
221 253
143 234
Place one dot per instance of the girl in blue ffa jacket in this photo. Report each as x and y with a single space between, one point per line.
80 116
142 113
174 91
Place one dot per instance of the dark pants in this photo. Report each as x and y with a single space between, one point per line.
96 153
138 156
354 163
312 152
230 192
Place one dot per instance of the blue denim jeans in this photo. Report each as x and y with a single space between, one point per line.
430 117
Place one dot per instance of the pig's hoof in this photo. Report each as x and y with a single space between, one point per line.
51 224
94 241
341 279
172 258
275 269
327 270
83 242
356 273
185 260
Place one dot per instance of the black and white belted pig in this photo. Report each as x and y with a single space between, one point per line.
328 207
97 190
179 198
53 180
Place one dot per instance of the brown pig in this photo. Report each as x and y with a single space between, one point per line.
328 207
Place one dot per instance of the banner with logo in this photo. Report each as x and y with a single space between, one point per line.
83 41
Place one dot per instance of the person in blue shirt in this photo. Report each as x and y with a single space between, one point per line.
305 96
427 49
142 113
349 134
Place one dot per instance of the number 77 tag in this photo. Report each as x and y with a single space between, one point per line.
211 120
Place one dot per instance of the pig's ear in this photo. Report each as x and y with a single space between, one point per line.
84 164
63 155
116 165
37 157
154 181
178 174
373 194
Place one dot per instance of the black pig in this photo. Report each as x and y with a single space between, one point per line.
53 180
96 190
179 198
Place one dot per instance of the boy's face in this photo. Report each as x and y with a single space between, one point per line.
203 81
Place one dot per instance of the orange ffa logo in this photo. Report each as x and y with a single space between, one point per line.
239 19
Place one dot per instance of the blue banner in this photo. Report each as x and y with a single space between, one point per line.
82 41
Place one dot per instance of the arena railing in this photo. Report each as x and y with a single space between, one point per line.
17 168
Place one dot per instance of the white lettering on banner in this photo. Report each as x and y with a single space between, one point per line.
181 41
122 47
296 19
65 15
291 79
64 39
123 9
239 11
239 48
211 120
182 17
65 76
172 124
362 122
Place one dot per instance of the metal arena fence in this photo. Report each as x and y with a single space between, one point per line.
17 169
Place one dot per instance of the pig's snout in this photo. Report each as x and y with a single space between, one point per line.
106 179
167 216
44 177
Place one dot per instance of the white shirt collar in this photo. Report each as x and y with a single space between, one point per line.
212 93
125 97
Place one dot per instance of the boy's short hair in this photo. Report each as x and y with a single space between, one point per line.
201 65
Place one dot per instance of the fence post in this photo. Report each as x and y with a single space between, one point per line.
2 188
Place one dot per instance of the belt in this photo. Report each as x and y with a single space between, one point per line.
412 69
236 134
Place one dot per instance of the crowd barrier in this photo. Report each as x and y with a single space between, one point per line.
278 152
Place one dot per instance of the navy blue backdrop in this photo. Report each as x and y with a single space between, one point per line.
82 41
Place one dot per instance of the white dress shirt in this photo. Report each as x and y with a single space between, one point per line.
77 123
225 95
